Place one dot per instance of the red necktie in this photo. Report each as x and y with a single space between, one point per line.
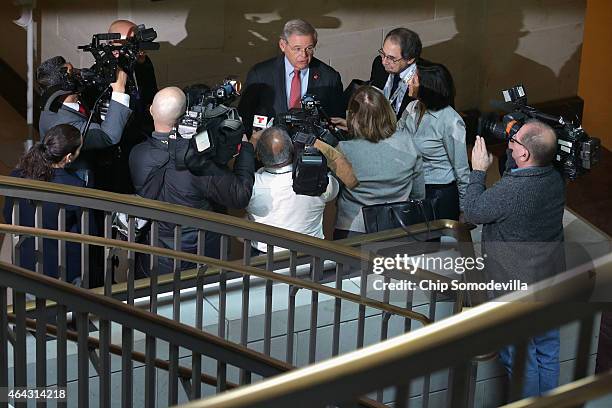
296 90
83 110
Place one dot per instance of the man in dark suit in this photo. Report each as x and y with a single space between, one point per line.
68 109
392 69
142 86
278 84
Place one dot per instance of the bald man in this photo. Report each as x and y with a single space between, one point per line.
274 202
522 233
142 86
157 176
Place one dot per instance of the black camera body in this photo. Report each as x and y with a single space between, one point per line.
111 52
305 125
212 130
577 152
310 119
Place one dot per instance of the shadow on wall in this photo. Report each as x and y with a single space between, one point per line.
207 41
484 59
249 35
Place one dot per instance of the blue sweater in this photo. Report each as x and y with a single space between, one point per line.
50 215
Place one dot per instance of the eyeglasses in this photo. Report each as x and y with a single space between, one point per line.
389 58
513 140
300 50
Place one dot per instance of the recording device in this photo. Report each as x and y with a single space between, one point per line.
311 119
305 125
577 152
203 101
111 52
210 130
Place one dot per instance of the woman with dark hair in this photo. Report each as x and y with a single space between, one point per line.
46 161
439 135
384 161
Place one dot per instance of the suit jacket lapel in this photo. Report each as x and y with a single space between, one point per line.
313 75
280 96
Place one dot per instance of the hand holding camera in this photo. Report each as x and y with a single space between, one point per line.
119 84
481 158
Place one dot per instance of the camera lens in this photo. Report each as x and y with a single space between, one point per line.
491 128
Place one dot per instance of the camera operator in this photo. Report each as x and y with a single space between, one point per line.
50 74
522 233
140 124
274 202
278 84
217 187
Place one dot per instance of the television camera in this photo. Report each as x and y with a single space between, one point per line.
210 130
577 152
305 125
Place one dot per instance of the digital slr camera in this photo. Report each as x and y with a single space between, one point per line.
577 152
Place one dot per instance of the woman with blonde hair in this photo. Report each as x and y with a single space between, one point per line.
384 160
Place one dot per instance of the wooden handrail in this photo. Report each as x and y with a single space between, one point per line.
226 265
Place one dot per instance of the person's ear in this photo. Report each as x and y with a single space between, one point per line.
411 61
282 44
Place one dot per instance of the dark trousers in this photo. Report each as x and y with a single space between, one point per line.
447 195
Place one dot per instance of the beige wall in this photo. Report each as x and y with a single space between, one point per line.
487 44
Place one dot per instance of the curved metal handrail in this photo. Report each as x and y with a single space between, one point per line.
573 394
168 330
440 345
227 265
207 220
177 214
179 334
94 343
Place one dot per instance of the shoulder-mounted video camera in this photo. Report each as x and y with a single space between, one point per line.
576 151
110 52
305 125
210 130
310 121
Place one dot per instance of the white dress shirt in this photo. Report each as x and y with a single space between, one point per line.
402 88
275 203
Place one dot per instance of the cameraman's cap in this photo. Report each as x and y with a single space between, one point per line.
49 72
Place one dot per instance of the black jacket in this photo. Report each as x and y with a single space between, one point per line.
218 189
378 78
265 91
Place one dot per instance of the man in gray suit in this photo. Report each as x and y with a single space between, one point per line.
69 110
